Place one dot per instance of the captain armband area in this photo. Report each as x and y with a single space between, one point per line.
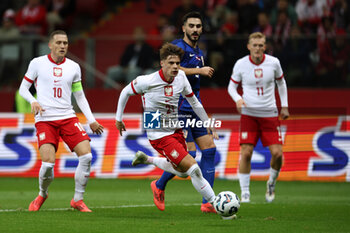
77 86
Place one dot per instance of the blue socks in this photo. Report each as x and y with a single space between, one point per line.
166 176
207 166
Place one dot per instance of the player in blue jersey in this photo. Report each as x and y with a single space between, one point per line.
192 64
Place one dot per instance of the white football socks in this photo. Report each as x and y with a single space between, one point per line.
198 181
82 174
201 184
273 175
244 182
46 176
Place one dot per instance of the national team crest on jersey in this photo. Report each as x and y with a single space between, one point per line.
168 90
57 72
258 73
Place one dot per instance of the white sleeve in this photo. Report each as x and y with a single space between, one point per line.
84 105
77 76
123 99
282 91
232 90
140 84
197 107
28 80
187 89
24 91
193 101
32 70
278 71
281 84
236 78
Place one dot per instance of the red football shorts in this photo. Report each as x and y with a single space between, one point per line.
265 128
173 147
70 130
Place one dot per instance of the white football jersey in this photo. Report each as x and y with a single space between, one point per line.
53 83
258 84
159 95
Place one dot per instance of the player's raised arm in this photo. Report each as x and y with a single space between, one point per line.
128 91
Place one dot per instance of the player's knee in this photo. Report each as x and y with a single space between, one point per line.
82 148
247 151
277 153
246 157
211 144
194 170
278 159
278 156
85 159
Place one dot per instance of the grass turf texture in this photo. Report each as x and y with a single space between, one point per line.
127 206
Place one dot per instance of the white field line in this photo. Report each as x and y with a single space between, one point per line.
98 207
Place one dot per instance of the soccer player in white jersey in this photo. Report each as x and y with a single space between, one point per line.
160 94
258 73
55 78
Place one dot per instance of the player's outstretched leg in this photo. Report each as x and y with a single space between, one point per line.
81 177
199 183
159 185
46 176
158 195
158 188
207 166
141 158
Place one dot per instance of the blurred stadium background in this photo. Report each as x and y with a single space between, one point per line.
313 49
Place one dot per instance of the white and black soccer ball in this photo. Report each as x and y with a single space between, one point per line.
227 204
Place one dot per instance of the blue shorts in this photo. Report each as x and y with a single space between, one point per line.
191 133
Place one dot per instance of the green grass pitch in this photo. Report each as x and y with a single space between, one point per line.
122 205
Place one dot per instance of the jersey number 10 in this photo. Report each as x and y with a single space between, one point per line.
57 92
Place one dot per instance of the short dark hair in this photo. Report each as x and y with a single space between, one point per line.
192 14
57 32
169 49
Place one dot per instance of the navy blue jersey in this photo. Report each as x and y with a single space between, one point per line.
193 58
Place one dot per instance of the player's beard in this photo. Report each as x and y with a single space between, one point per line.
194 41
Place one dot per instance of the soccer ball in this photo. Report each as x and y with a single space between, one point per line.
227 204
